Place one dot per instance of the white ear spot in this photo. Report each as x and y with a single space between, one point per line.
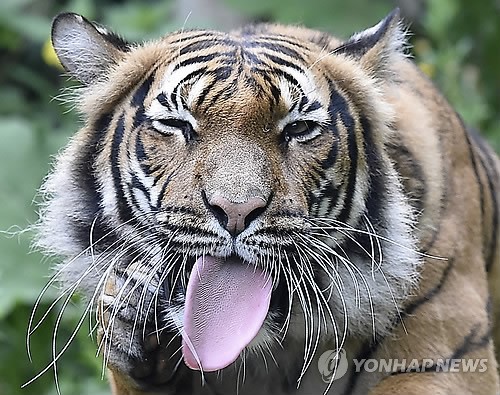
377 45
102 30
390 30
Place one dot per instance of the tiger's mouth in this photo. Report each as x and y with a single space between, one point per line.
226 304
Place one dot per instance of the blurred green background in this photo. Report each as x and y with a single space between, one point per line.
456 42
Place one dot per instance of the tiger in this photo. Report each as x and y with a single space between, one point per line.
244 211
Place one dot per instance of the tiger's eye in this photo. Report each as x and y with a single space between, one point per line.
166 126
299 130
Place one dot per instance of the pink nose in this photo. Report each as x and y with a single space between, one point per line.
235 217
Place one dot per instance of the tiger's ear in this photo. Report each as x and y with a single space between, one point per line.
374 47
85 50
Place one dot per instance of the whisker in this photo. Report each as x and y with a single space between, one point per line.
32 328
315 224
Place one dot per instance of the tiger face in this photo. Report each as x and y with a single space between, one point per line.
232 198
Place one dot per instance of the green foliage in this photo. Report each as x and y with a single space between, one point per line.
457 46
336 16
462 52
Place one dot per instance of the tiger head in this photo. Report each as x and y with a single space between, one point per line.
241 179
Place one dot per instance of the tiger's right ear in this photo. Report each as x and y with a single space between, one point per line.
375 48
86 51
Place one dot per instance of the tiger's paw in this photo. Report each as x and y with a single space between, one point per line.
135 346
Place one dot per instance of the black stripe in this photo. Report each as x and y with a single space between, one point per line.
377 191
430 294
222 73
284 40
227 91
137 184
469 344
334 107
205 92
315 105
161 195
197 46
196 59
303 101
282 62
183 101
290 78
191 75
138 100
162 99
270 82
472 157
332 192
173 97
330 159
84 164
207 42
275 92
142 158
338 107
83 172
490 249
251 58
409 169
490 171
276 47
368 348
142 91
207 35
124 211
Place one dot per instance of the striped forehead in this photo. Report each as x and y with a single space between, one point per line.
255 61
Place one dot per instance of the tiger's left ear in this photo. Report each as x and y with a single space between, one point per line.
86 50
374 47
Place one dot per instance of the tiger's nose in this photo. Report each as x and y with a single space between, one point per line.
236 217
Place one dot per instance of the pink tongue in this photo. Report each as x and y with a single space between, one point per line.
226 304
